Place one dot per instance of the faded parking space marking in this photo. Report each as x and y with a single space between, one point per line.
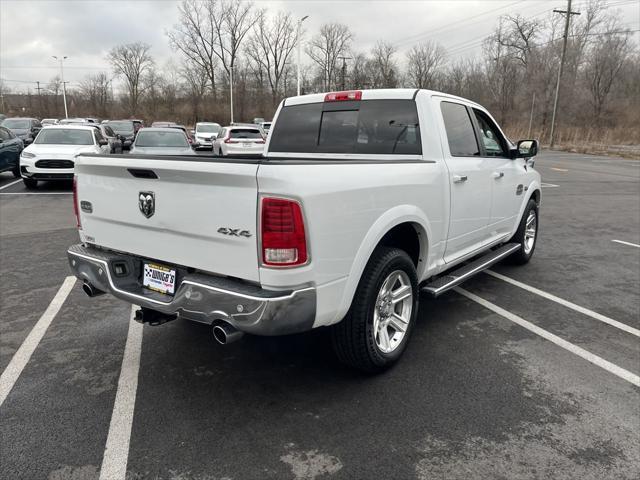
116 452
626 243
559 169
23 354
566 303
548 185
580 352
9 184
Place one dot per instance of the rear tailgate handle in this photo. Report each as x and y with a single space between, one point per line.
142 173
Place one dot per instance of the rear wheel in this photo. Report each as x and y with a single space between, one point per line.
375 332
526 235
30 183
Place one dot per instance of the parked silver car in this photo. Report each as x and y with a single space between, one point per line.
161 141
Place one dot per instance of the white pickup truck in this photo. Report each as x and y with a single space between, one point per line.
362 200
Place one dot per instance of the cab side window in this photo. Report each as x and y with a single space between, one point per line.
98 136
494 144
460 132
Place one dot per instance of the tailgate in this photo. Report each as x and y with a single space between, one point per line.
204 212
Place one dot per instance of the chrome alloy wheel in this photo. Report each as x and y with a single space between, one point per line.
392 311
530 231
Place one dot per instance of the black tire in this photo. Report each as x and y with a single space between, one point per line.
30 183
353 338
522 256
16 172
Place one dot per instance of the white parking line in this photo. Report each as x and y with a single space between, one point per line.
581 352
116 452
23 354
36 193
626 243
566 303
10 183
548 185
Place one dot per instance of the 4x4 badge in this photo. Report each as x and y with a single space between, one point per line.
147 203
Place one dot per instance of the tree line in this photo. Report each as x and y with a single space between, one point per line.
223 41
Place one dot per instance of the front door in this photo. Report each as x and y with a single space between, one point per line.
506 174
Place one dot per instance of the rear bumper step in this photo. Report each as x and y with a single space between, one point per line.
456 277
199 297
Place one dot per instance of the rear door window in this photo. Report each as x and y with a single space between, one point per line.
368 126
460 132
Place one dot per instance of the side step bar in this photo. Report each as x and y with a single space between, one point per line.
455 278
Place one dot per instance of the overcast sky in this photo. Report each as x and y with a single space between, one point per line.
84 30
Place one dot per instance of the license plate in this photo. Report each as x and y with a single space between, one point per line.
158 278
247 145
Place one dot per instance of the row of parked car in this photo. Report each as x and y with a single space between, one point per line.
44 150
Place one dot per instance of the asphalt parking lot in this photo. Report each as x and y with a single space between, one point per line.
526 372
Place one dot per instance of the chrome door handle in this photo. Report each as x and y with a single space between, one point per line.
459 178
498 175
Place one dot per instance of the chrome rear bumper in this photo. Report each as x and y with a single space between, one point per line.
199 297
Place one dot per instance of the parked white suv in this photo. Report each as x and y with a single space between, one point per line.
239 140
52 154
205 134
363 199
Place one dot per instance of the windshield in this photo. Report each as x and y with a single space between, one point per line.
245 133
161 139
122 127
208 128
16 124
64 136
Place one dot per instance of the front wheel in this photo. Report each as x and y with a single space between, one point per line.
526 235
30 183
376 330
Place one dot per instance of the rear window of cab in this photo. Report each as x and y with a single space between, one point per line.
367 126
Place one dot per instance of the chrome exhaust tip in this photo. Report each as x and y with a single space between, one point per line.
91 291
225 333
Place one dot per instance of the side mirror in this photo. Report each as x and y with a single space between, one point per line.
525 149
102 142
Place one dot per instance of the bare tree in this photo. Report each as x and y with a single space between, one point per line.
196 80
95 90
607 58
132 61
324 49
382 67
424 62
270 47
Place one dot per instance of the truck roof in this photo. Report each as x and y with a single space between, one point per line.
373 94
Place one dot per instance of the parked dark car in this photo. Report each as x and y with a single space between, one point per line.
10 149
116 144
126 129
25 129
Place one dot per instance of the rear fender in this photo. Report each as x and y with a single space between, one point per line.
391 218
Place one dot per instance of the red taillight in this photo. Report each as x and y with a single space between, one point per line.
343 96
283 236
227 140
76 210
260 141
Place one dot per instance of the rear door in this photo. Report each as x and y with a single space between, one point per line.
195 213
506 174
469 181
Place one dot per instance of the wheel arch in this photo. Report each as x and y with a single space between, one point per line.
405 227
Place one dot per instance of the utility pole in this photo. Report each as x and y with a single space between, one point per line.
344 71
39 98
64 86
533 103
567 21
298 47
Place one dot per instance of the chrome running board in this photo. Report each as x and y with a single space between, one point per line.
449 280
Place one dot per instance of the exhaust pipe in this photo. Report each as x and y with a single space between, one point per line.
91 291
226 333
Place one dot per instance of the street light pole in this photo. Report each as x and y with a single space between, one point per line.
298 46
64 85
231 91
